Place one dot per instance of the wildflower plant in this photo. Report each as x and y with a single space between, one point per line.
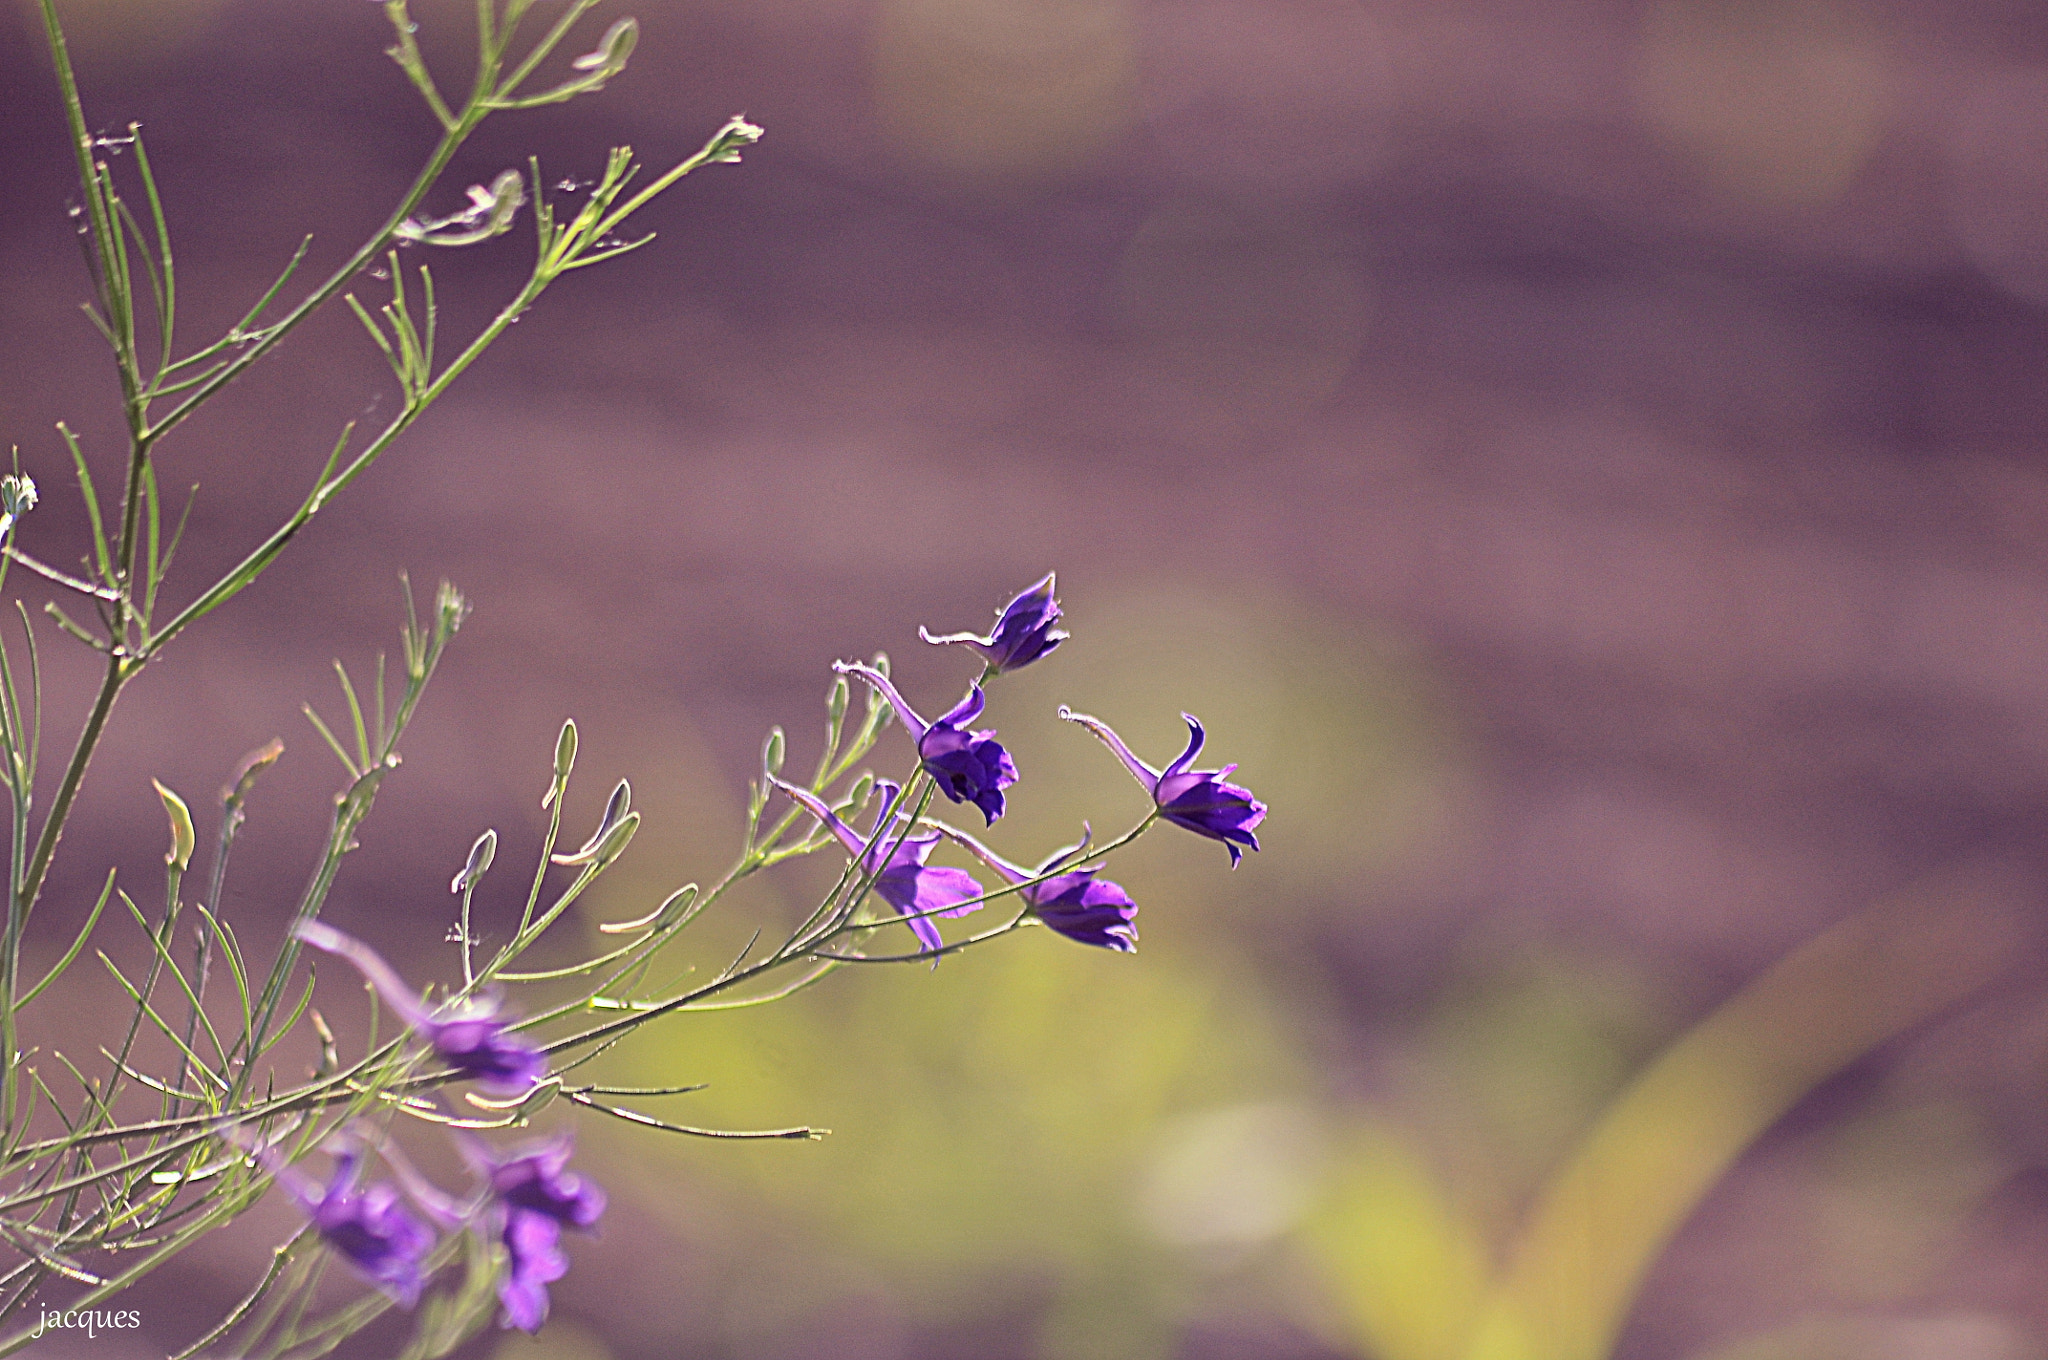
97 1192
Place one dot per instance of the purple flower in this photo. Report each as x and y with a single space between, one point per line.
969 767
538 1181
532 1197
472 1040
368 1227
1196 799
534 1260
897 863
1025 630
1077 904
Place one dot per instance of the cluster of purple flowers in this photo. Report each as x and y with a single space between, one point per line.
970 766
525 1200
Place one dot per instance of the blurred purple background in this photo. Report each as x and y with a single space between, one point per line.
1583 460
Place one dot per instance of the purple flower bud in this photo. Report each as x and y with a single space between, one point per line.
1025 630
1078 905
472 1040
370 1228
897 864
969 767
1196 799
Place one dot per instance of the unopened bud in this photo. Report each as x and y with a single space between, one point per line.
565 760
480 856
615 816
612 50
182 837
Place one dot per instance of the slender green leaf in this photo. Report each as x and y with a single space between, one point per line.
71 954
92 508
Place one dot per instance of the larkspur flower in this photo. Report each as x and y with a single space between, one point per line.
533 1196
472 1039
538 1181
1077 904
369 1226
969 767
534 1260
1196 799
1026 629
897 863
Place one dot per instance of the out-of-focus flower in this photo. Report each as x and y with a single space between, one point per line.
1077 904
538 1181
1026 629
533 1196
368 1227
473 1040
1196 799
897 864
534 1260
969 767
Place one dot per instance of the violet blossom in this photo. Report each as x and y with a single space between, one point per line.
471 1038
896 862
538 1181
1196 799
969 767
533 1197
534 1260
369 1227
1025 631
1077 904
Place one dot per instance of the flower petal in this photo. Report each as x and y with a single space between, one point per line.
1195 739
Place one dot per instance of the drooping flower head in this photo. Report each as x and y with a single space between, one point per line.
896 861
1077 904
533 1196
533 1261
472 1039
368 1226
1026 629
1199 800
538 1181
969 767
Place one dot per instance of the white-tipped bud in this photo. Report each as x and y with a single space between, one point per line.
615 816
726 144
480 856
612 51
